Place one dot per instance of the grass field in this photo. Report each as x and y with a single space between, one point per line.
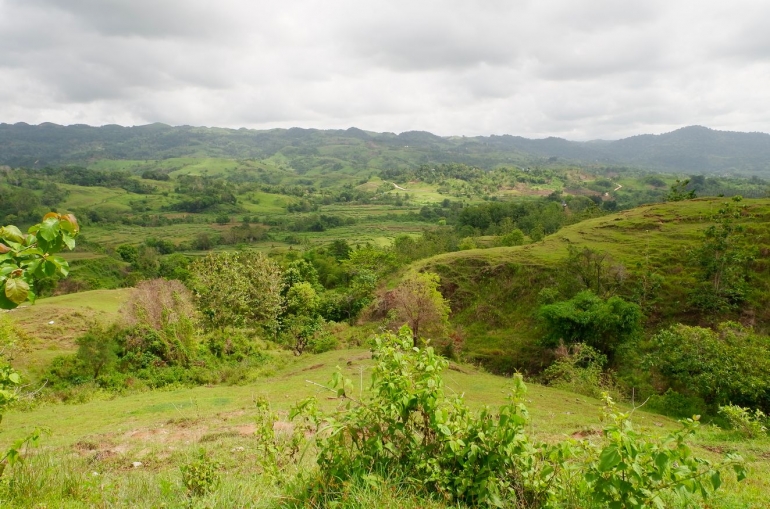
160 429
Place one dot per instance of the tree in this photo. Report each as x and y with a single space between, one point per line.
127 253
514 237
302 320
679 191
723 265
162 319
586 318
537 233
97 348
340 249
418 302
237 289
586 269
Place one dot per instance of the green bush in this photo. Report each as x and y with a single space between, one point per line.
749 424
587 318
580 369
238 289
200 476
730 365
407 428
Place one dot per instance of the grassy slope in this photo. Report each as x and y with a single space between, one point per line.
163 428
53 324
493 292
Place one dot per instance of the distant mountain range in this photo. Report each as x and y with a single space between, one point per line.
691 150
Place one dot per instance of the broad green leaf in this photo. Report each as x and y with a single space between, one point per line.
608 459
16 290
68 241
49 268
62 265
15 378
49 229
33 266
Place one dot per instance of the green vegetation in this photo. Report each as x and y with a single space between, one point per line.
205 292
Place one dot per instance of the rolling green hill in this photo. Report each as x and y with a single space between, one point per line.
494 292
691 149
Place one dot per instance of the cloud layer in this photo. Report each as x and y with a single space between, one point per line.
580 70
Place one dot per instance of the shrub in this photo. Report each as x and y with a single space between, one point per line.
513 238
675 404
97 348
729 365
579 368
407 428
201 475
586 318
162 320
749 424
240 289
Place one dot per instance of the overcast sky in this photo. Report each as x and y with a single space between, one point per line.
579 69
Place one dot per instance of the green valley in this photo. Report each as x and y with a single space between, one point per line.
294 318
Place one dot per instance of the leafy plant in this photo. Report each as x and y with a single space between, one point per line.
580 368
722 263
679 191
744 421
729 365
407 428
586 318
25 258
200 476
630 471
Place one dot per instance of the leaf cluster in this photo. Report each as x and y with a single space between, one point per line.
25 258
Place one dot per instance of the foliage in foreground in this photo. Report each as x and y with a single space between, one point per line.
409 429
24 260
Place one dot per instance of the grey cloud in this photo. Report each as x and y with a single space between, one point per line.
589 69
142 18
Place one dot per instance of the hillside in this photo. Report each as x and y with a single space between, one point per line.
691 149
494 292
